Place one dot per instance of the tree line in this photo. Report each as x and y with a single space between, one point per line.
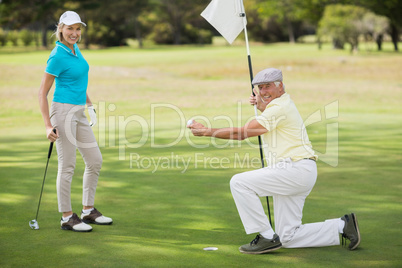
112 22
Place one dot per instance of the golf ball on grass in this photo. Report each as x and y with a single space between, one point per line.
210 248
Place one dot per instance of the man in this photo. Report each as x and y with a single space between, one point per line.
289 177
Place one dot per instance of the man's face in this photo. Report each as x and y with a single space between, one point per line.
270 91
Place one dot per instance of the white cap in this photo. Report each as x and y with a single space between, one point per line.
70 18
267 76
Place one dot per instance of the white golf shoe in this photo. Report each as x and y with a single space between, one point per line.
95 217
75 224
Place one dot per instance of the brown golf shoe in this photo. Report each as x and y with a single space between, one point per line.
96 217
75 224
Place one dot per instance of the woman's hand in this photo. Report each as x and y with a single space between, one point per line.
51 136
92 115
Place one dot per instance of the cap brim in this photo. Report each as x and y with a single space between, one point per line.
74 22
266 82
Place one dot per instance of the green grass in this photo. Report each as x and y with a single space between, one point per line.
164 217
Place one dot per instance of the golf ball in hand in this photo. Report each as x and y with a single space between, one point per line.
189 122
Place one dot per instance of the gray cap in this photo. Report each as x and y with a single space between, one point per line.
267 76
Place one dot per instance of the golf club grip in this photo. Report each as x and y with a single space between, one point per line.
250 69
51 146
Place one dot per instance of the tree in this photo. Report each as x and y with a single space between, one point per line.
179 16
286 11
16 14
343 23
110 23
390 9
130 10
376 26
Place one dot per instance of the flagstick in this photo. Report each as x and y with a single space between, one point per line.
250 68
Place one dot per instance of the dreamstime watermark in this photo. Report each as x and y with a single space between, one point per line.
115 130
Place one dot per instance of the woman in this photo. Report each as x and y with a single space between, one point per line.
69 69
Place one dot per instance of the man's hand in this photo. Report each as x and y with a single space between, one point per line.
92 115
197 129
257 100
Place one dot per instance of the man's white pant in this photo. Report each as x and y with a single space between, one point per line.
289 183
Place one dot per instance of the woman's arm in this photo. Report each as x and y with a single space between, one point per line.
89 102
45 86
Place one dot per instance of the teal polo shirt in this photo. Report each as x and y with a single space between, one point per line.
71 72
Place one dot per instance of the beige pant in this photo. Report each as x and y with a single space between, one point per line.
289 183
74 132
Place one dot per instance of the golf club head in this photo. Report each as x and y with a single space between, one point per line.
34 225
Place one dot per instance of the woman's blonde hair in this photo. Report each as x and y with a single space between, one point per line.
58 33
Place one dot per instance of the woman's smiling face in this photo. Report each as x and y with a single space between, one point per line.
71 34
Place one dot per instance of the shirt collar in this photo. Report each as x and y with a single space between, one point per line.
282 97
66 48
285 96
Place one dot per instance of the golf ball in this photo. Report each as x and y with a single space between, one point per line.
210 248
189 122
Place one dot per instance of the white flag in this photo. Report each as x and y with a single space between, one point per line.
225 16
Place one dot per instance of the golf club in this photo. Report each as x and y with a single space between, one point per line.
34 223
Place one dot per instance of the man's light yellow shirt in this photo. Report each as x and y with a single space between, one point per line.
287 136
